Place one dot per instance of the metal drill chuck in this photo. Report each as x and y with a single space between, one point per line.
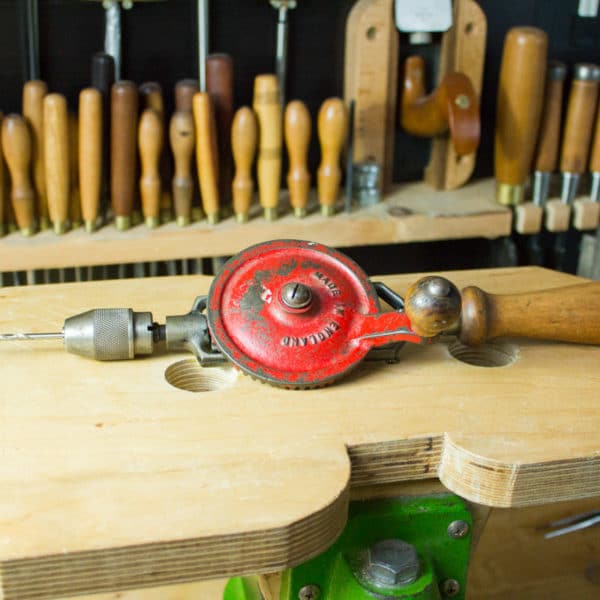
110 334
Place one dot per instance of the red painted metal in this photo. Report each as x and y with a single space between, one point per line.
300 349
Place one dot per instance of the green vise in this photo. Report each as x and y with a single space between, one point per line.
410 548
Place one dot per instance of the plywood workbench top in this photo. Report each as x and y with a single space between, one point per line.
112 478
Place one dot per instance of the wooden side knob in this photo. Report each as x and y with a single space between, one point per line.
75 197
150 141
182 138
56 156
184 93
568 314
16 145
207 157
519 108
547 145
123 149
333 128
581 110
90 155
33 111
244 137
297 128
268 169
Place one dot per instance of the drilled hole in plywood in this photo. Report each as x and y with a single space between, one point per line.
190 376
492 354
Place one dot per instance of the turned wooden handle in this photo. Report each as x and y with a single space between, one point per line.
268 111
549 134
56 157
184 93
519 107
567 314
182 138
75 196
90 154
207 158
297 129
16 145
33 111
3 189
123 149
150 142
244 137
595 153
581 110
151 96
332 127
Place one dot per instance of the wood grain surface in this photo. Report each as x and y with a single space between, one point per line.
112 478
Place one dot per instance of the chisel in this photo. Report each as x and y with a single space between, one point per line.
297 129
184 94
75 195
182 138
244 137
150 142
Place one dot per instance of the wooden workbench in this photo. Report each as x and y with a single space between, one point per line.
112 478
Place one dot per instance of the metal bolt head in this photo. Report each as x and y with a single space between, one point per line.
309 592
450 588
458 529
462 101
391 563
296 295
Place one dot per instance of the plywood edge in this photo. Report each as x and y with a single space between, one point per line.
504 485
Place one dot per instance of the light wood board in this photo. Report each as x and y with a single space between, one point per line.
413 212
112 479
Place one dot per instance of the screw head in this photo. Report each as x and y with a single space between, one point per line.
296 295
458 529
450 588
391 563
309 592
462 101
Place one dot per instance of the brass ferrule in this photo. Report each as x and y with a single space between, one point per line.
122 223
300 212
182 221
327 210
509 194
241 217
152 222
212 218
270 214
90 225
60 227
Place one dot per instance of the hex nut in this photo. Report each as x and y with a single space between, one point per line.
391 563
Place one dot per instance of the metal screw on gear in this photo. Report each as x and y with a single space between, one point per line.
458 529
450 588
309 592
296 295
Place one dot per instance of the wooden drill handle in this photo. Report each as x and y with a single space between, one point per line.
184 93
16 145
33 98
219 84
333 128
123 143
547 144
567 314
244 137
150 142
75 196
519 107
90 154
268 169
581 109
182 138
56 156
297 128
207 158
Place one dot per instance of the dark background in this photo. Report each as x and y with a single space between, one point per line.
160 44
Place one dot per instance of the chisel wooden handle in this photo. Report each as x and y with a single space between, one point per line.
207 155
333 128
123 142
268 169
2 185
56 157
150 140
182 138
297 138
33 111
519 107
90 155
581 110
184 93
568 314
595 153
16 144
244 137
75 196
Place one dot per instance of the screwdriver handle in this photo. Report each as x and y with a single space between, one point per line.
75 197
16 144
182 138
581 110
207 157
567 314
184 93
333 128
244 137
297 129
150 141
90 155
519 108
268 111
33 111
123 142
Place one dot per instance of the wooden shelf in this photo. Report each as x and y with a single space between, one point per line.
412 213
